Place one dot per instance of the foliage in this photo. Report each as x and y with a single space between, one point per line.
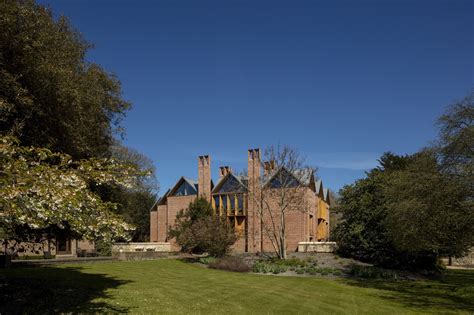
133 204
372 272
298 266
456 141
103 247
207 260
40 189
428 215
198 230
290 262
413 209
50 96
263 266
230 263
404 214
362 232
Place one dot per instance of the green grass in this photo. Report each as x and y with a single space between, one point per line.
171 286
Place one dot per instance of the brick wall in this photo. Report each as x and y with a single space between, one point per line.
174 205
162 223
154 226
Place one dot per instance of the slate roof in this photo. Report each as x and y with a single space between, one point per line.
305 176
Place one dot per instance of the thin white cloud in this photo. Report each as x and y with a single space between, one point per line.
344 160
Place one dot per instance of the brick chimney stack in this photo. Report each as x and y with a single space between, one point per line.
254 202
224 170
268 167
204 177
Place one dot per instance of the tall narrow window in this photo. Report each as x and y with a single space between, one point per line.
216 201
240 202
232 202
224 202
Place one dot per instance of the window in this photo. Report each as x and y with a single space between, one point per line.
232 202
224 203
284 180
231 185
216 201
185 190
240 202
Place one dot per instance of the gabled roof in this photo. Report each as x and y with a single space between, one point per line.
193 183
326 195
304 176
319 187
241 180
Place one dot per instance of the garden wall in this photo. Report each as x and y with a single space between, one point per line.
316 247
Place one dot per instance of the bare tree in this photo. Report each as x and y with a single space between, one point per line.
285 189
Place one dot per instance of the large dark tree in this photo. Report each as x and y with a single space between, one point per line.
362 232
414 209
50 96
428 215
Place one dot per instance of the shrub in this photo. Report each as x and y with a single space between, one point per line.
269 266
312 270
197 230
372 272
103 248
279 269
262 266
291 262
207 260
230 263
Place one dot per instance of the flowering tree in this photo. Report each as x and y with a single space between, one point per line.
41 189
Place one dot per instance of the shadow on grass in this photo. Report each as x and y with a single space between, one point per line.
39 290
452 291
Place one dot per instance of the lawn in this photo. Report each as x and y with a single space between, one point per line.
171 286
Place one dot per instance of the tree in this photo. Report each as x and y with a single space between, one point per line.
135 204
362 232
41 190
405 214
50 96
284 192
428 216
198 229
455 147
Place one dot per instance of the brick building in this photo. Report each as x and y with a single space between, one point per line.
240 198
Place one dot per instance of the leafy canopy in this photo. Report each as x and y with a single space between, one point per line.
39 188
50 96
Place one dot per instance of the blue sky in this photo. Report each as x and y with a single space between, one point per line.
341 81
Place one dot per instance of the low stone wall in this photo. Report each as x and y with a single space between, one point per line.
316 247
140 251
161 247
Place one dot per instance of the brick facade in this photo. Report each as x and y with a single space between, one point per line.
306 221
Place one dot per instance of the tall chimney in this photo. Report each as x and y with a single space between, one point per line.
254 202
224 170
204 177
